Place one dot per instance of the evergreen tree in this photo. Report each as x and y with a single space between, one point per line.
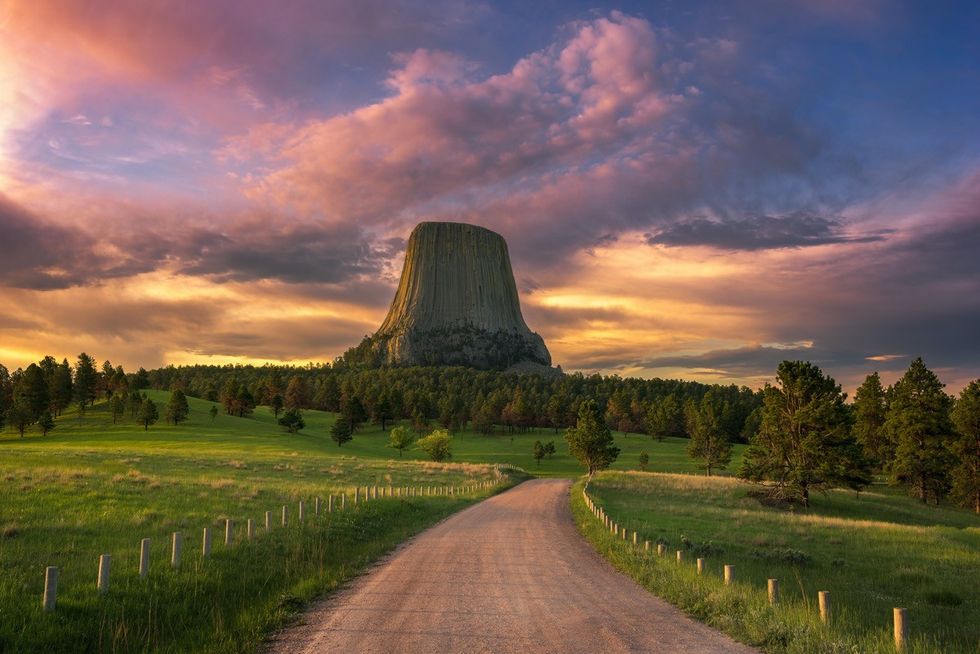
870 408
590 440
708 442
382 412
352 411
296 393
142 379
177 409
341 431
549 449
966 447
6 394
213 412
244 402
804 441
60 387
919 425
31 391
664 418
46 422
292 421
85 381
644 461
20 418
148 413
276 403
117 406
400 439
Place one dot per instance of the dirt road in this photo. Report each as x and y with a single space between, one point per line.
511 574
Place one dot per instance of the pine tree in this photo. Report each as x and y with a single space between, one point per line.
85 381
31 391
292 421
919 425
708 442
538 452
60 387
804 441
590 440
46 422
276 404
148 413
177 409
118 406
965 446
296 393
341 432
213 412
870 409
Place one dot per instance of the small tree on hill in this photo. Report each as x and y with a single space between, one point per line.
664 418
966 447
276 404
804 441
920 427
708 442
135 402
292 421
19 416
148 413
45 422
341 432
352 411
590 440
549 449
400 439
213 412
438 445
644 461
539 452
177 409
117 405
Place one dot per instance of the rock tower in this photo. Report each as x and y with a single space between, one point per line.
457 304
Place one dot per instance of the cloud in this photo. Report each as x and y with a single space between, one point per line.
798 229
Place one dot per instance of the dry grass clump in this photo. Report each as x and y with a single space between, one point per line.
237 465
221 484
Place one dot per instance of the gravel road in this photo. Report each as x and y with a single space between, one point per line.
510 574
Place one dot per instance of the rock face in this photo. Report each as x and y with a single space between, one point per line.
457 304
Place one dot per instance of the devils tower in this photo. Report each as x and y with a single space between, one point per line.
457 304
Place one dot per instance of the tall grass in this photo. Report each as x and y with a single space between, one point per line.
873 553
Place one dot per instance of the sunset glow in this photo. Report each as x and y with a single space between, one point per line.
695 191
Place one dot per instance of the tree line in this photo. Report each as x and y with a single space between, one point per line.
34 396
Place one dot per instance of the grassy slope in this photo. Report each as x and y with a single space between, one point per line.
873 553
91 488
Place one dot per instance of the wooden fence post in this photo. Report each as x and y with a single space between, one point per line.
50 597
206 543
176 549
680 556
823 598
901 633
285 513
661 549
105 562
229 532
773 592
330 504
301 515
144 557
729 575
250 529
316 506
700 566
268 520
646 545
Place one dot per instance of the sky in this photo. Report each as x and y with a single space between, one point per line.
693 190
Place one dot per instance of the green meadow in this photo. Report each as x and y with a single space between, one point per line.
92 488
873 552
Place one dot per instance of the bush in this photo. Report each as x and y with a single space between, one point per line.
438 445
782 555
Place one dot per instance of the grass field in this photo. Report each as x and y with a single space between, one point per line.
90 488
874 552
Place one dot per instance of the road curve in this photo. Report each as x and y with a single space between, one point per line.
510 574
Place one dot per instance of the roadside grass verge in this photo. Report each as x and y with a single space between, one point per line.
872 553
